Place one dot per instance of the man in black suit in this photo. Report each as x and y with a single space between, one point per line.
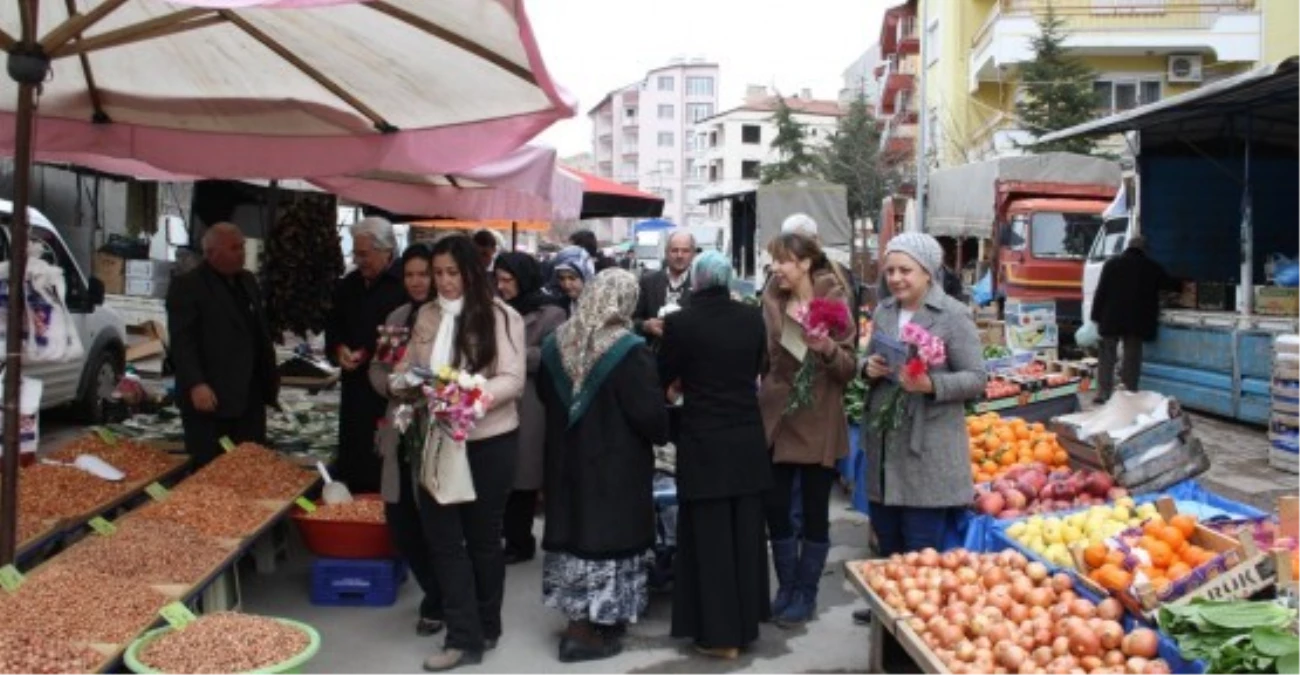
667 287
1126 309
221 348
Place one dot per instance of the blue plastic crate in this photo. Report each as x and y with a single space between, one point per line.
356 583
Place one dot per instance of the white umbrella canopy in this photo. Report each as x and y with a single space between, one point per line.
286 88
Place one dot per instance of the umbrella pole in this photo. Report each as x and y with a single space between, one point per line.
514 235
27 65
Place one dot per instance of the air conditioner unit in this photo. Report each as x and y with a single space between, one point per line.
1184 68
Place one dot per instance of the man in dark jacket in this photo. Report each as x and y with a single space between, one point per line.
362 302
587 240
221 348
1126 308
664 288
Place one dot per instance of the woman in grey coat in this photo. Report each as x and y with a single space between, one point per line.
397 484
919 473
519 281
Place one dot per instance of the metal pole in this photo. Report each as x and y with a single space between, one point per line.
27 65
514 235
1247 304
923 115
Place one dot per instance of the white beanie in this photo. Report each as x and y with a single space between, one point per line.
922 248
799 223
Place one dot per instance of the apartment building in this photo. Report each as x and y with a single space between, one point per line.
1140 50
896 82
642 135
733 145
860 79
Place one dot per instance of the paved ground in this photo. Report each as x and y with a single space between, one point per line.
383 640
1239 467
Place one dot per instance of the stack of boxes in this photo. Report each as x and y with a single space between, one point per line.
1285 421
148 278
1031 325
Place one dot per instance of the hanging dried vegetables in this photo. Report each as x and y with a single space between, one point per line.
300 265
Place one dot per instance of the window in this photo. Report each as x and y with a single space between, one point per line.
751 134
77 295
629 114
665 167
1017 238
665 111
749 169
665 139
1117 95
931 42
666 83
699 86
713 139
698 111
1063 235
715 172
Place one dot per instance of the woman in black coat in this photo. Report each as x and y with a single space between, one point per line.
604 413
713 352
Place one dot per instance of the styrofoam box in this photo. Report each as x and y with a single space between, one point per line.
149 269
1286 461
147 288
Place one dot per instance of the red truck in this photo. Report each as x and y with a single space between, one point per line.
1040 214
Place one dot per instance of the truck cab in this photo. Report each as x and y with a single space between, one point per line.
87 381
1042 247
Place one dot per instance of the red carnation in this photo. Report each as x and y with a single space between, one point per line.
828 316
914 368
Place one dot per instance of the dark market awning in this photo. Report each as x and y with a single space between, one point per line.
1268 93
603 198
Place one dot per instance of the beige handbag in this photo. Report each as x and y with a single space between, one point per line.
445 471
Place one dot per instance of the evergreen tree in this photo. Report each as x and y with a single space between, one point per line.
1057 90
853 159
790 144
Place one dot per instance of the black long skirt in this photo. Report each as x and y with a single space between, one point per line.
720 585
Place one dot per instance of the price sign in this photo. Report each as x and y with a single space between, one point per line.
106 435
227 444
10 578
102 526
177 615
305 504
156 491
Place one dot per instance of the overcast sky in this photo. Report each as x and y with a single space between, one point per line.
594 46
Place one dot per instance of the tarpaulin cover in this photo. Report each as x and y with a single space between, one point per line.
826 203
961 201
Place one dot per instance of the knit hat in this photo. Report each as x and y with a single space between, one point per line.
800 223
922 248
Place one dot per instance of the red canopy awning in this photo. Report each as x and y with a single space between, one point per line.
604 198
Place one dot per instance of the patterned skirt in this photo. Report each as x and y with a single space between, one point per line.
600 591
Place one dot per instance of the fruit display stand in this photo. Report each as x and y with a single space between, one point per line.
884 618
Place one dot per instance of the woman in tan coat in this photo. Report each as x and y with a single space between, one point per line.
805 440
466 328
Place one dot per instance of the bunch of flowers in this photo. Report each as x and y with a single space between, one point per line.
392 344
823 317
925 351
456 401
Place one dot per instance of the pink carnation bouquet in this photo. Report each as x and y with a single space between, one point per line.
926 351
457 401
822 318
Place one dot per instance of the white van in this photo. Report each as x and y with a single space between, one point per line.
1112 239
85 382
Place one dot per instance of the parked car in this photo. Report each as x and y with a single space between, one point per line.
86 382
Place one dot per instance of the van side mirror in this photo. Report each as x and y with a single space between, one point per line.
95 293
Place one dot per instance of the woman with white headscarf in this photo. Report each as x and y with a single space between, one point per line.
605 411
571 271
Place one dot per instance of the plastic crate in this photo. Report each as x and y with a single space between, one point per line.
356 583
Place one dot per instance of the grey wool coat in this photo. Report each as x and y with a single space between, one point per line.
385 436
532 416
925 462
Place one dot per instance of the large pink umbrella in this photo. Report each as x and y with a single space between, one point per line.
270 88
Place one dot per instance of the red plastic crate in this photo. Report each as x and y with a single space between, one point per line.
334 539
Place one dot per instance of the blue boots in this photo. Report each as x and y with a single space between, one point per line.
785 558
801 585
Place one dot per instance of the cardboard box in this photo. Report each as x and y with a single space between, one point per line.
111 270
1032 337
991 332
147 288
149 269
1277 301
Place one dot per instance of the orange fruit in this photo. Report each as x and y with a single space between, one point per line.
1095 555
1172 536
1115 558
1177 570
1161 554
1038 427
1185 524
976 455
1022 432
1044 453
1152 527
1007 458
989 466
1160 584
1061 458
1114 579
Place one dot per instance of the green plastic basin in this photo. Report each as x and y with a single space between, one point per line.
291 665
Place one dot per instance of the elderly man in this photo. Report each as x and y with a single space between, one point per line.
221 348
362 301
668 287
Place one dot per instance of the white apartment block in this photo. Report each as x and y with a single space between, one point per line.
641 135
734 145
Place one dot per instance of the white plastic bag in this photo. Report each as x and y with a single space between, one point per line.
29 413
1087 335
49 333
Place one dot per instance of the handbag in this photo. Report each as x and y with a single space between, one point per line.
444 468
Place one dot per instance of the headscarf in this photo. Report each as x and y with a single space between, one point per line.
922 248
602 318
574 259
528 277
710 270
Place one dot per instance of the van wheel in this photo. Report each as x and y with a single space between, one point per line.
104 371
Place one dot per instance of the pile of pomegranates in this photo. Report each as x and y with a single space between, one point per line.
1001 613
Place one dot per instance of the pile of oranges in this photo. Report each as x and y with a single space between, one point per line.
1172 555
996 445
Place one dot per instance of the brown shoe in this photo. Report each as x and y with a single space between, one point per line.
451 658
725 653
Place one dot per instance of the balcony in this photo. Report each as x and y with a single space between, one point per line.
899 77
1228 29
898 140
899 32
909 36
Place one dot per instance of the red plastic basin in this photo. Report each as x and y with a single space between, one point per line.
338 539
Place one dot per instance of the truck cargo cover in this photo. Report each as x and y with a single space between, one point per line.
827 203
961 201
